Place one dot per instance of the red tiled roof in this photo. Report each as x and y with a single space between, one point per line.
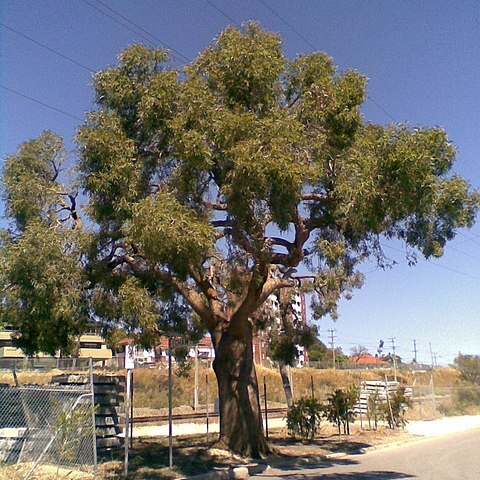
366 358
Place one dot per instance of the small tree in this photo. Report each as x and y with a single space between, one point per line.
469 367
394 410
374 408
113 336
304 416
319 352
339 409
358 350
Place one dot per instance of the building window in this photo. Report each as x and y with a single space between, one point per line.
90 345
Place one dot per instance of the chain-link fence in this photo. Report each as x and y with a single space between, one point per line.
432 401
46 427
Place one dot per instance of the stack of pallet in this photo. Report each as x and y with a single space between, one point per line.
369 388
109 392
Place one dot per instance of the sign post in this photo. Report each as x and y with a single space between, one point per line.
129 366
170 429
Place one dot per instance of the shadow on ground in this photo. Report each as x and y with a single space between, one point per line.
370 475
149 458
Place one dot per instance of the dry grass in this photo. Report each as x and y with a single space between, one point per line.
151 388
43 472
28 377
151 385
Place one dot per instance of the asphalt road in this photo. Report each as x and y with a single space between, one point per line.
450 457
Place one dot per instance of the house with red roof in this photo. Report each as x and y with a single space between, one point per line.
367 359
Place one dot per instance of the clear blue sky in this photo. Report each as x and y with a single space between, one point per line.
422 59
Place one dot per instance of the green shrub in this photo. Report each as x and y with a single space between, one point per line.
469 367
339 408
374 408
394 410
468 395
303 418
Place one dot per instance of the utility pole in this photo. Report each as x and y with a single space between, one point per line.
431 354
332 336
394 359
414 350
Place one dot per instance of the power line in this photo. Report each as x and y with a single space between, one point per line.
116 21
381 108
435 264
288 25
453 270
143 30
314 48
223 13
65 57
464 253
40 103
123 24
469 238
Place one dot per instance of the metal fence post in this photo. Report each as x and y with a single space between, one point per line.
127 420
131 411
195 391
206 404
266 407
94 432
170 429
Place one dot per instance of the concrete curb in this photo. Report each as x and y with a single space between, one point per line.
244 471
231 473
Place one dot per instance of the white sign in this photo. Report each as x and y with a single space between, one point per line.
129 357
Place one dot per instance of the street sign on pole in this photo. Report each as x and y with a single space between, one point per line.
170 430
129 366
129 357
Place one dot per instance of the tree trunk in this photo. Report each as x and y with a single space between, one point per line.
241 427
287 388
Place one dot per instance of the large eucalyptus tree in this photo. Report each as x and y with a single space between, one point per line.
207 189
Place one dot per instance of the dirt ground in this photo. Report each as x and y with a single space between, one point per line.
193 455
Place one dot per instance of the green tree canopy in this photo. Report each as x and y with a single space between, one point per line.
207 190
469 367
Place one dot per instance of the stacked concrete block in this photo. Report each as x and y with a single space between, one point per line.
109 397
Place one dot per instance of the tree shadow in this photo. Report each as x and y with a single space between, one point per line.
149 459
369 475
308 462
348 447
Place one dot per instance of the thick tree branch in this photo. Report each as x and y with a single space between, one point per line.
316 197
191 297
221 223
215 205
279 241
258 291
